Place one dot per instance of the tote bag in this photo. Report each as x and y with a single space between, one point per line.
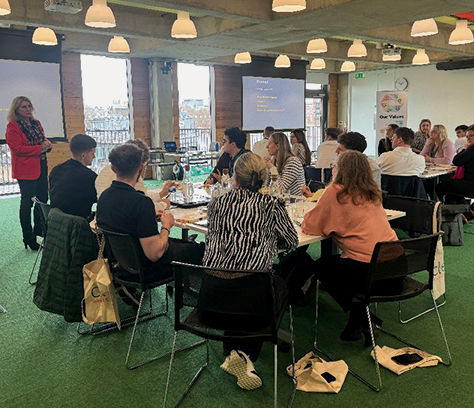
439 288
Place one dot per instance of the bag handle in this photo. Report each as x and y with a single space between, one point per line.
101 242
435 217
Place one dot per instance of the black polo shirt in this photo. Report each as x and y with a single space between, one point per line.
72 188
123 209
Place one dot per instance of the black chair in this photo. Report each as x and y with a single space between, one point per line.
408 186
44 212
392 260
128 272
188 283
316 174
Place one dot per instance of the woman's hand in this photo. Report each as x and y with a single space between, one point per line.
268 162
217 176
165 189
428 159
46 145
306 191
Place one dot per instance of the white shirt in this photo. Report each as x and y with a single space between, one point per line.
260 148
376 173
460 143
106 176
402 161
326 154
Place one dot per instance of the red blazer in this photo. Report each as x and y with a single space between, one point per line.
25 157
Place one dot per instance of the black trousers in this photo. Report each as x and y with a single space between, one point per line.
28 190
454 191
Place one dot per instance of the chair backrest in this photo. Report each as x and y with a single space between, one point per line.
408 186
419 213
317 174
397 259
44 212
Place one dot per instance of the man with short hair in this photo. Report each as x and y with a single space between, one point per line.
356 141
72 184
327 150
123 209
260 147
402 161
461 139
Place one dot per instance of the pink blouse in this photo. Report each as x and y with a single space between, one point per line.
444 155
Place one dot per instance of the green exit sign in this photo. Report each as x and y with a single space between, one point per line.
359 75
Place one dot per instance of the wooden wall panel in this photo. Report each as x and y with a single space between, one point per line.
333 100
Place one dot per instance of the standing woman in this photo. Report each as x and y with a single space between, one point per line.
289 168
299 147
385 144
28 145
439 149
421 136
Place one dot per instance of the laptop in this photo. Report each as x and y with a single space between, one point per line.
170 147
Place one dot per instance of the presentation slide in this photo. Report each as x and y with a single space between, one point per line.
273 102
39 81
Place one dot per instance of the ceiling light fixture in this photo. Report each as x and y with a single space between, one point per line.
118 44
288 6
422 28
348 66
183 27
44 36
99 15
5 8
317 46
357 50
461 34
421 58
318 63
243 58
393 57
282 61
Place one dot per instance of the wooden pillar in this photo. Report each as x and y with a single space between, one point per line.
333 100
174 79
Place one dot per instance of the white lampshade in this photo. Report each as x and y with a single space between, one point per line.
118 44
183 27
461 34
357 50
317 46
282 61
348 66
44 36
318 63
288 6
5 8
421 58
394 57
99 15
422 28
243 58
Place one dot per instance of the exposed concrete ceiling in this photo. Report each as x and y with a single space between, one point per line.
228 26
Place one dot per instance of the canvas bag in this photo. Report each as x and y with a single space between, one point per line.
385 354
311 370
439 287
99 304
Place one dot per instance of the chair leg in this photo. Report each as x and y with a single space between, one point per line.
374 348
169 368
436 306
34 265
2 309
419 314
316 314
275 375
292 342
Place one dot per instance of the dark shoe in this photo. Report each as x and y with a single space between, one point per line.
351 334
34 246
353 329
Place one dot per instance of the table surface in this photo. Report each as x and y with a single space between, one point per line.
436 170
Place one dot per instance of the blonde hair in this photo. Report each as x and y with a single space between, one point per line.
355 177
250 171
284 150
443 135
17 101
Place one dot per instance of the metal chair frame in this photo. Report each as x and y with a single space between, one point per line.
44 221
2 309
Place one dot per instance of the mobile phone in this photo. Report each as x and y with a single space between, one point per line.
407 359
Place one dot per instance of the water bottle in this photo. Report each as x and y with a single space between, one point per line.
225 180
217 146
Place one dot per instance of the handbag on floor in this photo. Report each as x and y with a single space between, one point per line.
99 304
402 360
313 374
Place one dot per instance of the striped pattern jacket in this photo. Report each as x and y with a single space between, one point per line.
292 176
246 230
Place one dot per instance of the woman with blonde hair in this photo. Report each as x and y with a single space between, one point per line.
299 147
289 169
246 229
28 146
350 212
421 136
439 149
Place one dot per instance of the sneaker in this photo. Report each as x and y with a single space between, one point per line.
239 364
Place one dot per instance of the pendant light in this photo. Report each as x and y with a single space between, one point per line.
183 27
422 28
5 8
282 61
461 34
317 46
357 50
348 66
44 36
318 63
394 57
118 44
421 58
243 58
99 15
288 6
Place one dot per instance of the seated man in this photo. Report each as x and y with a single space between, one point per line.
402 161
71 184
327 150
461 139
123 209
260 147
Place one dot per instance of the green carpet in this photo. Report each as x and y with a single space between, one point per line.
45 363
